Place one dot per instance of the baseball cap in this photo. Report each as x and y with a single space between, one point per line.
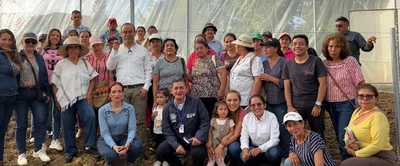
284 34
155 36
268 34
42 36
294 116
271 42
29 35
95 40
112 38
256 36
111 20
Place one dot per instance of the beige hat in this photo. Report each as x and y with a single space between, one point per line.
244 40
72 40
95 40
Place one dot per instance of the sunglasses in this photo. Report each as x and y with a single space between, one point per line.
365 97
339 25
256 104
29 41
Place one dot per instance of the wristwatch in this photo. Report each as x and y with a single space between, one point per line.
318 104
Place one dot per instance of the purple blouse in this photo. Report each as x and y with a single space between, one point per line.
275 93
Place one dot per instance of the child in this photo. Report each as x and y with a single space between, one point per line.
221 129
156 116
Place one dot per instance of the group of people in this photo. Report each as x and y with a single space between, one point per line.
248 99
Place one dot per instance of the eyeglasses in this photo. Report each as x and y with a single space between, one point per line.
29 41
365 97
339 25
256 104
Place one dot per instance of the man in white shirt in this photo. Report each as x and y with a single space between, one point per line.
132 64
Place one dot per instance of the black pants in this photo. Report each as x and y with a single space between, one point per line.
209 102
157 139
150 101
316 123
166 153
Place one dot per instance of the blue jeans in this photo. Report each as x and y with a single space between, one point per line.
68 119
272 156
28 98
111 156
284 138
288 163
7 104
56 122
234 152
340 113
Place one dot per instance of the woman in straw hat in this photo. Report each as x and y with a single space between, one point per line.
244 76
73 82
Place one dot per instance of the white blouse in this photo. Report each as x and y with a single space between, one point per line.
264 133
242 77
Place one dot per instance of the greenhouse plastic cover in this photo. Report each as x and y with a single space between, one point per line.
184 19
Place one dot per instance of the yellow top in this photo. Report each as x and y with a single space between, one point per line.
372 133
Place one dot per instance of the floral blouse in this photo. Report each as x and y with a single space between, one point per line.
205 77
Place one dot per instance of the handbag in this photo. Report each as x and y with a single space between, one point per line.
100 94
341 90
41 90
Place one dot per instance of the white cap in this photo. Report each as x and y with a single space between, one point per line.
155 36
294 116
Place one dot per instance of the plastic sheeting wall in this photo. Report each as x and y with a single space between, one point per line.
183 19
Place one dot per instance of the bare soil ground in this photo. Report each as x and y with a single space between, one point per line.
386 104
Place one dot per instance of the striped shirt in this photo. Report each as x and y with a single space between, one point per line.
308 148
348 74
99 64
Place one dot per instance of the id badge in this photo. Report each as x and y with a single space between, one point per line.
181 129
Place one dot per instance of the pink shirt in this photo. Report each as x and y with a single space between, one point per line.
289 54
99 64
193 57
348 74
242 114
51 58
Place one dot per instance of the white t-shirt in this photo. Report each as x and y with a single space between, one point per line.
157 129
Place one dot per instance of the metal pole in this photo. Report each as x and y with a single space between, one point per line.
132 6
315 25
395 75
80 6
187 30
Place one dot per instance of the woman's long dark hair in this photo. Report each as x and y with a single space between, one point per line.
47 45
13 50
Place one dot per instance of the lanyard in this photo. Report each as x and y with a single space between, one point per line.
179 114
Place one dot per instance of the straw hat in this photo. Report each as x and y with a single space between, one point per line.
72 40
244 40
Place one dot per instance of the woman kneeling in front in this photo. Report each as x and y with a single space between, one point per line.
118 128
307 148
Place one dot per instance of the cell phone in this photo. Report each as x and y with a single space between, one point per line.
120 149
187 140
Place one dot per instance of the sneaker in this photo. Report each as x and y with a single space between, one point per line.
22 159
92 151
157 163
164 163
32 140
42 155
55 144
50 133
153 147
69 158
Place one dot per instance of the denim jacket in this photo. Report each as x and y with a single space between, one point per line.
8 81
43 77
